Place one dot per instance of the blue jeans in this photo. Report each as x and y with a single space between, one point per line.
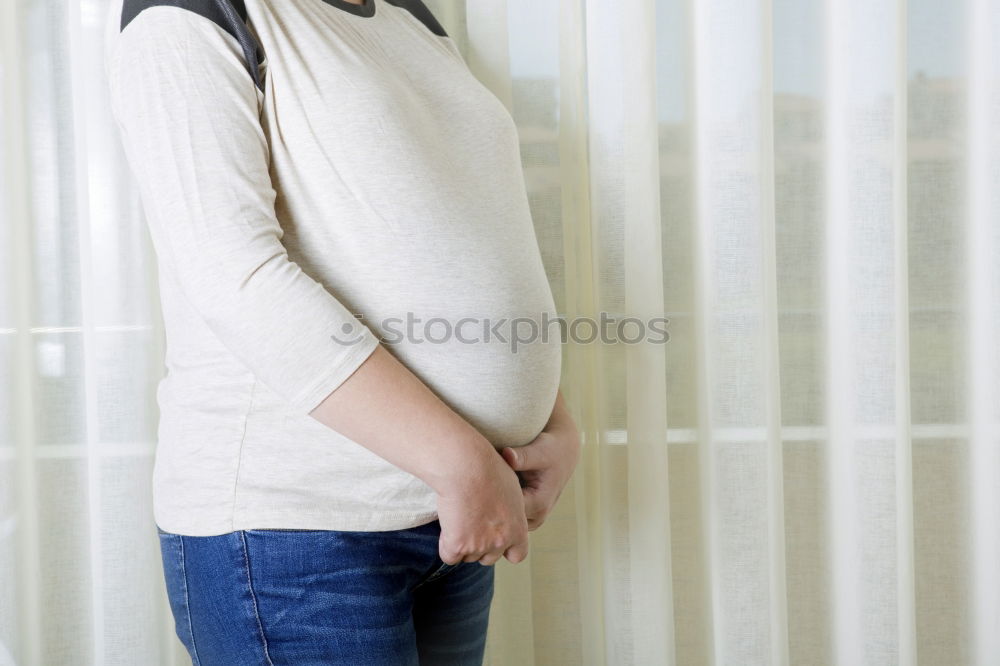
308 597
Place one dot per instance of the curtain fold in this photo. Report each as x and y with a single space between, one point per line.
982 282
806 472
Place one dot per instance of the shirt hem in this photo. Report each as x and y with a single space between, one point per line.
353 522
318 391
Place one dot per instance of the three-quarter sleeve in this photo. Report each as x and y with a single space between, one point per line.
189 117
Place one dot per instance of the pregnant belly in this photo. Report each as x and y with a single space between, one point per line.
504 387
473 272
466 315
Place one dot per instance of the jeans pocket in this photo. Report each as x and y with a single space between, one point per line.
441 570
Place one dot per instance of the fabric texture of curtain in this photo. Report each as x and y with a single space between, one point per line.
806 472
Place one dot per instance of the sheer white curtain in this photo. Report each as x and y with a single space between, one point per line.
808 472
80 358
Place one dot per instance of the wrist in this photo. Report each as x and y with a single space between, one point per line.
466 461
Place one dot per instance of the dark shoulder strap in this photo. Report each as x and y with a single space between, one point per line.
422 14
230 15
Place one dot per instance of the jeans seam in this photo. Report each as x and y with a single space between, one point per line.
187 604
253 598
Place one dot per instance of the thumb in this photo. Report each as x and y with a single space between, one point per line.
519 457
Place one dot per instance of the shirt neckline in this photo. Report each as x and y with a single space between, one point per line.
366 9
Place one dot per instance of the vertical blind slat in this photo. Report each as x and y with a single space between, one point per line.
905 562
844 540
27 578
79 78
646 421
582 373
981 254
703 330
778 593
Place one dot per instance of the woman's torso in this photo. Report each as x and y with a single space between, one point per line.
399 188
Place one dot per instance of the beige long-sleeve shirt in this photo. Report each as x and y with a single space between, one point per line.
319 178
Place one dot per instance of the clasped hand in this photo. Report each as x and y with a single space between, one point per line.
487 517
545 465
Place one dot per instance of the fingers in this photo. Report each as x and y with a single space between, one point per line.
448 554
537 506
529 456
516 542
490 558
534 504
517 552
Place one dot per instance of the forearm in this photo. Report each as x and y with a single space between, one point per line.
387 409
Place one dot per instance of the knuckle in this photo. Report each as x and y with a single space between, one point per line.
450 554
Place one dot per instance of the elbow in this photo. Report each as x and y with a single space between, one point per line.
215 285
259 269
